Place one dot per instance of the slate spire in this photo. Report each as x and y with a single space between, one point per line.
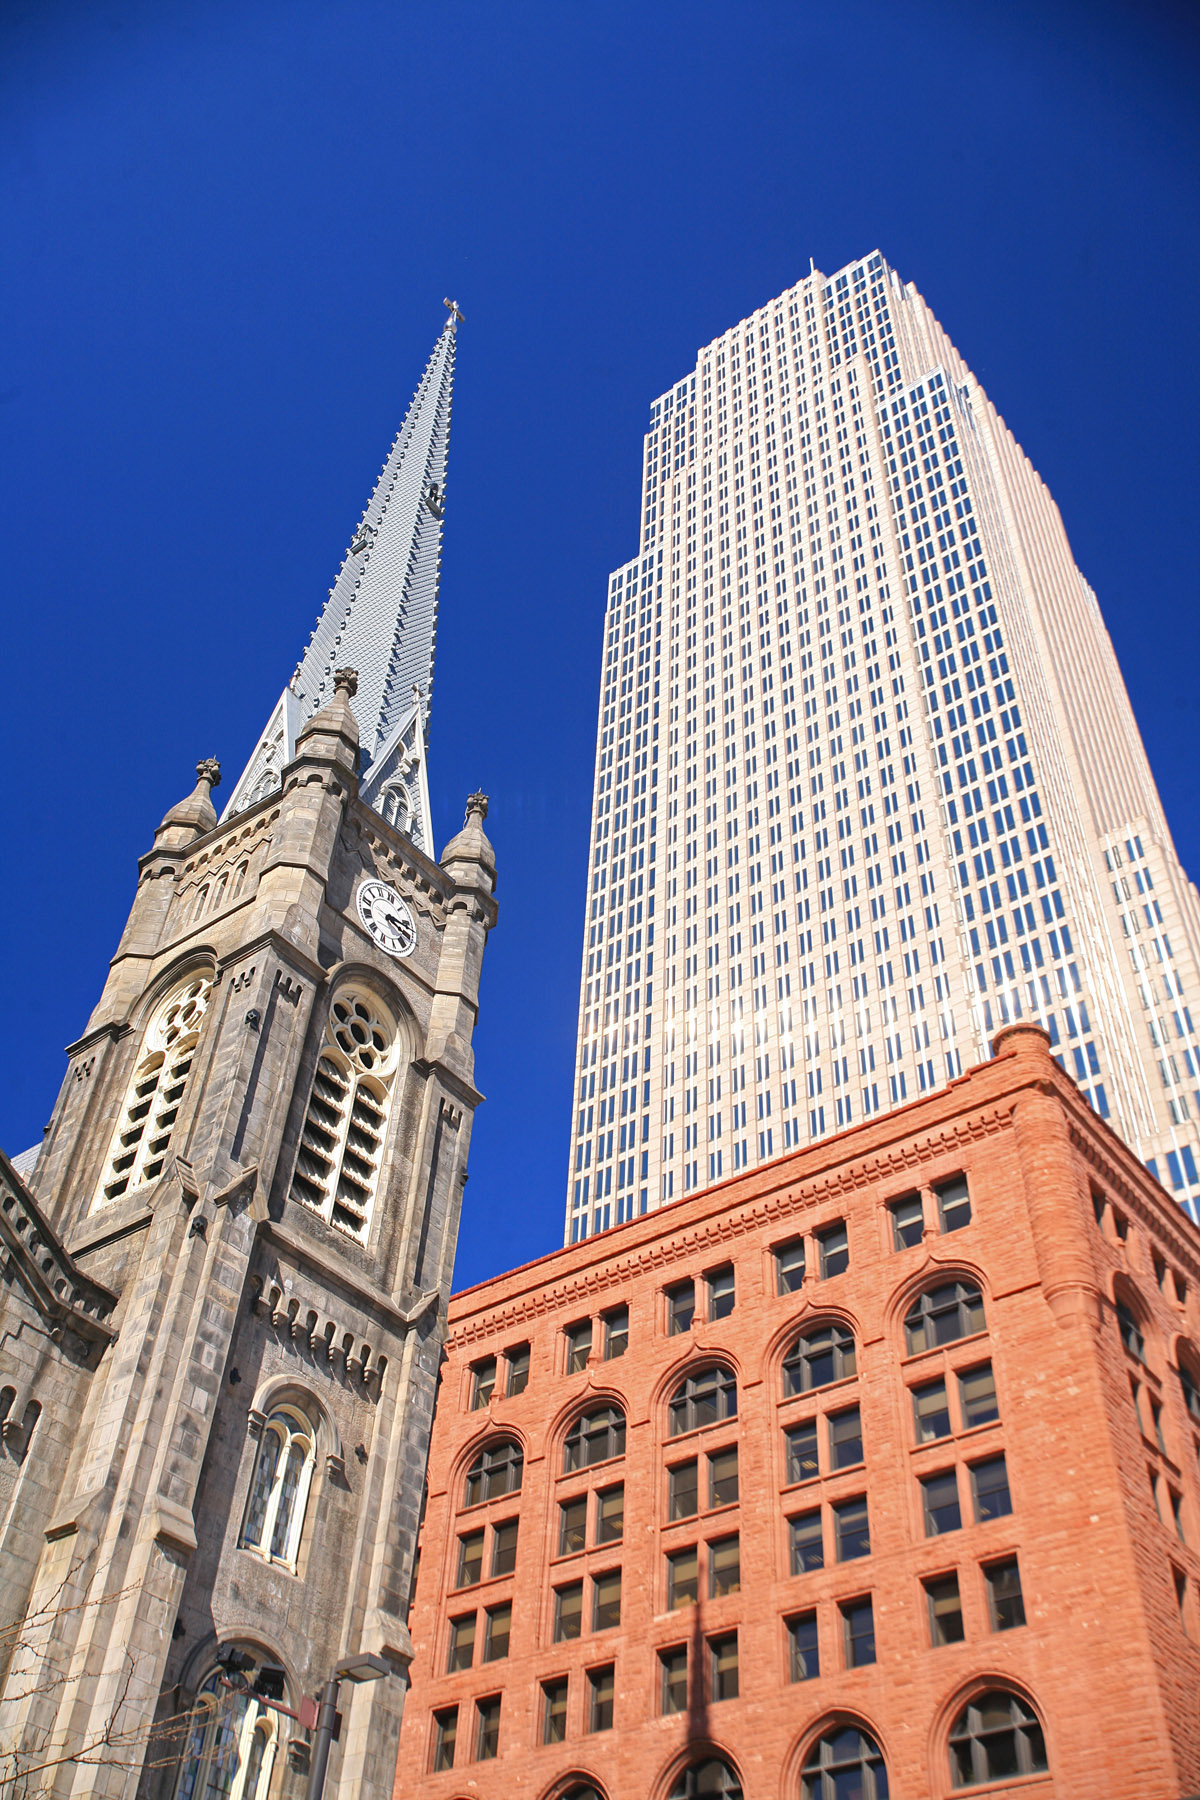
381 618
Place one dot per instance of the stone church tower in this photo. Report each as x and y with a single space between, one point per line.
226 1267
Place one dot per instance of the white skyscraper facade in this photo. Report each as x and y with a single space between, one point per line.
868 785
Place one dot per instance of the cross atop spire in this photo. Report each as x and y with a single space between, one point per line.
381 617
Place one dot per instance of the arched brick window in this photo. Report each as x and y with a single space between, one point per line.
703 1398
996 1735
496 1470
594 1437
845 1761
942 1315
709 1779
822 1354
1189 1381
1131 1331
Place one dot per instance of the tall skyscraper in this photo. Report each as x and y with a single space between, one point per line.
868 785
228 1261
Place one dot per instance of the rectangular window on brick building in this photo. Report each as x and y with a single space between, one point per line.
578 1339
682 1490
568 1611
616 1332
954 1204
908 1221
931 1411
833 1245
1006 1603
487 1728
673 1665
851 1530
807 1542
803 1651
554 1711
683 1577
723 1477
721 1296
606 1600
802 1464
858 1632
499 1628
610 1514
504 1547
572 1525
845 1438
601 1688
977 1396
462 1643
516 1361
723 1666
483 1382
989 1487
681 1307
789 1266
945 1610
445 1731
940 1498
470 1559
724 1567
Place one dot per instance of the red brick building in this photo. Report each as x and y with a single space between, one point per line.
873 1473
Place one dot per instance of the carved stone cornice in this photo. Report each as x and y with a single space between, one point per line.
454 1083
399 1312
278 945
113 1030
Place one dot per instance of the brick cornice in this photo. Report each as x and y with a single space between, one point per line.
701 1236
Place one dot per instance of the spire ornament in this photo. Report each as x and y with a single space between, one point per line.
381 617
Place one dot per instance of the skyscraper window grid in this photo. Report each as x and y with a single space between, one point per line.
868 786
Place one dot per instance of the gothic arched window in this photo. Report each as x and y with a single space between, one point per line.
395 808
845 1761
231 1745
342 1140
279 1491
151 1106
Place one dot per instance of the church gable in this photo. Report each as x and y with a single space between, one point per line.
75 1311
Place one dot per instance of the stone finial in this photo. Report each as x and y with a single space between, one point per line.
345 681
478 804
192 817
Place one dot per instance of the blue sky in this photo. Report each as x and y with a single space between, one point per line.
228 228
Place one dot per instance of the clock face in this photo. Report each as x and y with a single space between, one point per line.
387 918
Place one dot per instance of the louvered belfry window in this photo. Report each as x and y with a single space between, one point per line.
151 1107
341 1144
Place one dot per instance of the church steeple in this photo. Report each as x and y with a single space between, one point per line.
381 618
